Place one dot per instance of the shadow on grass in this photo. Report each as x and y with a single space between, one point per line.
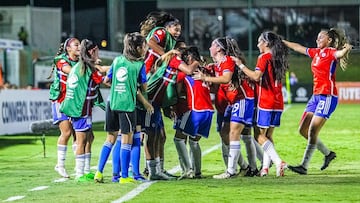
8 141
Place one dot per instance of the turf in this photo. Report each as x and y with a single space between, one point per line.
23 167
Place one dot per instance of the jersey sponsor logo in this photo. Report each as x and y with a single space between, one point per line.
122 74
62 61
73 81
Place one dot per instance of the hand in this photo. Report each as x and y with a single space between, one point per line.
198 75
348 46
236 60
149 108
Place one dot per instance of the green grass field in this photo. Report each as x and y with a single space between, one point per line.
24 170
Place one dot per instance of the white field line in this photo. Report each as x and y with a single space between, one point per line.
143 186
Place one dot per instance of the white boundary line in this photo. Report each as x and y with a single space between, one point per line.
143 186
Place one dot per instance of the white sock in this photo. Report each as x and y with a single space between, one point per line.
270 150
250 150
61 155
322 148
87 163
309 151
79 165
266 161
234 152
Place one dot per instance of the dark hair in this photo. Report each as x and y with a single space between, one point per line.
132 43
189 51
157 19
279 52
338 40
85 57
231 48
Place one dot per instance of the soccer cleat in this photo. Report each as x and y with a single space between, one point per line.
61 171
127 180
243 171
159 176
170 175
140 178
280 169
251 172
146 172
90 175
264 172
82 179
115 179
331 156
187 175
98 178
225 175
298 169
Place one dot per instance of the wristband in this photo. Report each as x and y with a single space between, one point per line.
242 66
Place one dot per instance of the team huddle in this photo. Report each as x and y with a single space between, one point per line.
157 74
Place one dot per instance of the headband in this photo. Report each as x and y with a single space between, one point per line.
67 42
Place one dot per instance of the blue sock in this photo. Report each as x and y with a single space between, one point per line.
125 153
104 155
135 154
116 157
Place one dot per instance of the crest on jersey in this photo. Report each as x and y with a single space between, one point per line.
122 74
159 32
73 81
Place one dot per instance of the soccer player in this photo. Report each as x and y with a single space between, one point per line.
268 74
124 91
231 88
332 47
82 92
161 30
66 58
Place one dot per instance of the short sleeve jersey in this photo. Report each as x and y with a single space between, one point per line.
197 94
323 67
151 56
269 90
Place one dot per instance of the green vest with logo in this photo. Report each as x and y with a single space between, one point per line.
124 84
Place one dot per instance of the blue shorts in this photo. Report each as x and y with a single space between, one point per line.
196 123
322 105
243 112
225 117
268 118
57 115
81 124
153 122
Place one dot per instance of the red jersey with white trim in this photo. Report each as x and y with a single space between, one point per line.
248 88
95 80
232 94
323 67
269 90
197 93
151 56
63 77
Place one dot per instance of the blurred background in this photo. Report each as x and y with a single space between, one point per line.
32 30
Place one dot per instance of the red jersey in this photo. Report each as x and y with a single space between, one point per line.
269 90
323 67
63 77
151 56
247 88
232 94
95 80
197 94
